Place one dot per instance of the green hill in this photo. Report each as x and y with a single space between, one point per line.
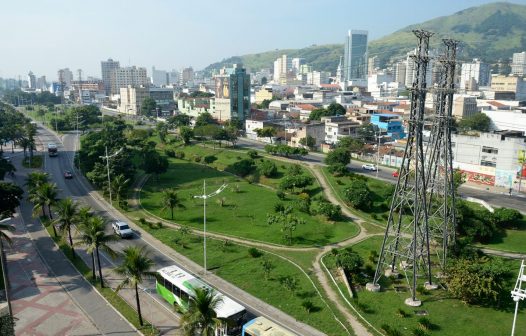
489 32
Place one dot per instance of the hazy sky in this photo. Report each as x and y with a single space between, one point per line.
45 35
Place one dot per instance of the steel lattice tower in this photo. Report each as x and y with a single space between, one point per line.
439 157
406 239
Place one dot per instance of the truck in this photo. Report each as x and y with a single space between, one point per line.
52 149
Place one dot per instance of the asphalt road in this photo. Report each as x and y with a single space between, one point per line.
78 190
493 198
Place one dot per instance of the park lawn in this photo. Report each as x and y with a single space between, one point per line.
233 263
381 193
228 156
449 316
244 211
510 240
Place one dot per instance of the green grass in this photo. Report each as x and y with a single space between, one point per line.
510 240
109 294
243 214
36 162
234 264
383 307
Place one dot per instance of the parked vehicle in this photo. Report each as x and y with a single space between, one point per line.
395 173
122 229
369 166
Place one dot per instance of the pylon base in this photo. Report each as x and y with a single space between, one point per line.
372 287
413 303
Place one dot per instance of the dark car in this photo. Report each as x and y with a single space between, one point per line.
68 174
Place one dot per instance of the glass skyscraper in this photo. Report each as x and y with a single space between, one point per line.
355 55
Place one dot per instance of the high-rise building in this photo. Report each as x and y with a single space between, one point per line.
296 63
410 70
355 55
31 80
42 83
107 70
477 71
159 77
65 76
373 65
518 64
400 70
232 88
122 77
186 76
282 66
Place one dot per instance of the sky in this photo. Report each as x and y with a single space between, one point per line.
46 35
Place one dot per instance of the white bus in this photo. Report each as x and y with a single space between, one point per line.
176 285
261 326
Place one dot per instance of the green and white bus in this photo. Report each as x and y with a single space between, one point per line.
176 285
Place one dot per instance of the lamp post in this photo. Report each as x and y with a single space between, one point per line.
377 131
107 158
204 196
518 293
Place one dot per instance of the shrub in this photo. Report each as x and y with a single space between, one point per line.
419 332
358 195
254 252
280 194
506 218
338 169
424 323
252 153
402 313
420 289
278 207
197 158
169 152
267 168
242 167
329 210
179 155
209 159
252 178
308 306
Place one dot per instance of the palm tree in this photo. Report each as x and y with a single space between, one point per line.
34 179
67 211
135 266
171 200
119 185
94 237
3 264
49 191
201 317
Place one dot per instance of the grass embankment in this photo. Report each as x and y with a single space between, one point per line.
109 294
36 162
448 316
236 265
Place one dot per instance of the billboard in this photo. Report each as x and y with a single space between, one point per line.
222 87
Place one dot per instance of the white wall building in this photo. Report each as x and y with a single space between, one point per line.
339 127
518 64
514 120
159 77
477 71
134 76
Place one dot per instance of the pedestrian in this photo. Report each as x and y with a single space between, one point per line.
510 192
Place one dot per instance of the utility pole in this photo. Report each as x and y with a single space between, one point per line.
107 158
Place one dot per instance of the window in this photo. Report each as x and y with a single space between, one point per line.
488 163
490 150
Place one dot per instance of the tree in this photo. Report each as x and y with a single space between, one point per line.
170 200
148 107
94 237
350 261
367 132
204 119
308 141
329 210
201 318
119 186
48 192
267 168
290 283
34 179
477 281
162 131
268 266
231 134
6 167
288 222
351 144
459 178
186 134
135 267
10 197
291 182
266 132
317 114
155 164
241 168
67 211
358 194
506 218
3 264
338 156
179 120
477 122
335 109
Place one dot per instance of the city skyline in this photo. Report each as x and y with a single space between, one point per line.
67 34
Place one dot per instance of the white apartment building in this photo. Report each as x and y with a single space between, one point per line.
107 68
339 127
489 158
513 120
159 77
518 64
477 72
318 78
132 98
129 76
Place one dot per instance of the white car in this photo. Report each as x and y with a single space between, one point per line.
122 229
369 166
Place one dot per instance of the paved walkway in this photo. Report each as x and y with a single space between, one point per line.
50 296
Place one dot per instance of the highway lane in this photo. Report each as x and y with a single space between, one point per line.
79 190
384 173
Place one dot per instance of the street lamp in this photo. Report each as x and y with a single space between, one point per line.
204 196
3 262
107 158
518 293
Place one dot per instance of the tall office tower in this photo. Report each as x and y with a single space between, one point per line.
400 69
518 64
296 63
373 65
475 71
107 69
65 76
159 77
31 80
187 75
355 55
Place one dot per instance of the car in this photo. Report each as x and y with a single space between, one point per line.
68 175
7 158
122 229
395 173
369 166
